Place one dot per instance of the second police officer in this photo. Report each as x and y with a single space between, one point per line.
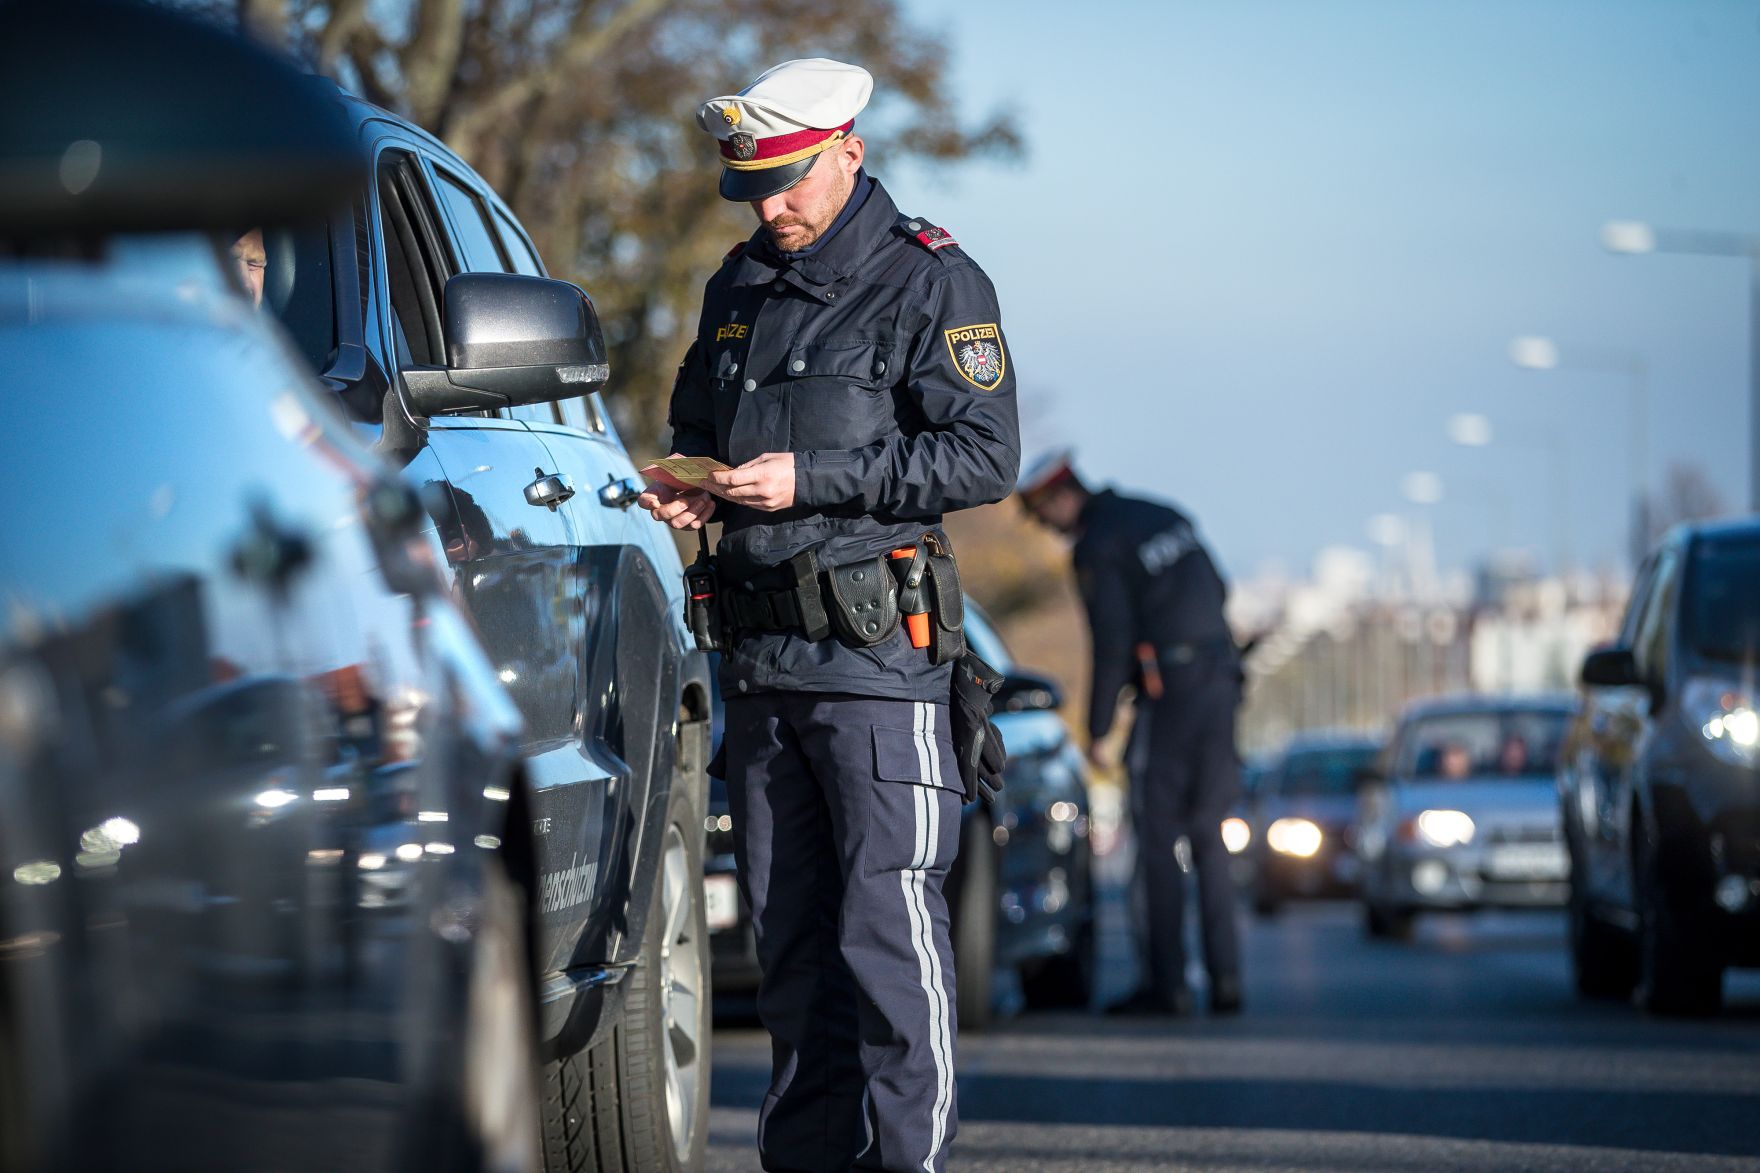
850 365
1155 610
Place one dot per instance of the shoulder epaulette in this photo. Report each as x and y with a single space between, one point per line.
925 233
735 251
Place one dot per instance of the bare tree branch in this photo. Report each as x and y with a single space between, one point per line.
431 57
585 43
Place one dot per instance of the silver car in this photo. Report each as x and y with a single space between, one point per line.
1462 812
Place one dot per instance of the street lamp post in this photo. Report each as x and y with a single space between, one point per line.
1472 430
1633 237
1536 353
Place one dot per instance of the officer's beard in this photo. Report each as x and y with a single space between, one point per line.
786 230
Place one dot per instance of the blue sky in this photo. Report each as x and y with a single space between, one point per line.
1259 252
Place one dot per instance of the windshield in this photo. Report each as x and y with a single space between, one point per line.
1721 611
1510 743
1324 771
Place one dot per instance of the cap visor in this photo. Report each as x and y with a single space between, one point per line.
745 186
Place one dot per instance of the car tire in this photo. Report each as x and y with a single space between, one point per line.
1604 963
639 1099
1067 979
1678 975
1385 922
973 911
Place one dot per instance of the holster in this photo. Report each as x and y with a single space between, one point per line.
977 743
864 597
702 599
947 640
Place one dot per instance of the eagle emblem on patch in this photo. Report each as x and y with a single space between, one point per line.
977 354
745 147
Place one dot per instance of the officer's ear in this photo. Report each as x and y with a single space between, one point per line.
850 153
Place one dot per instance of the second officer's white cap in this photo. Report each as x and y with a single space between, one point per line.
771 131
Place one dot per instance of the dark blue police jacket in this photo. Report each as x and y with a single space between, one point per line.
1146 578
879 361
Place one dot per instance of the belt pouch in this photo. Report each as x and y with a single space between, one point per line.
804 568
947 640
977 743
864 598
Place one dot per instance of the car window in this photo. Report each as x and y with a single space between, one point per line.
1650 646
299 287
524 259
1324 771
415 264
984 640
1481 744
1720 613
470 221
537 413
1628 626
582 412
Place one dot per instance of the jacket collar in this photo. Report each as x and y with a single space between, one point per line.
842 255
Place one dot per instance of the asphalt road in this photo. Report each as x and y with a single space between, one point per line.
1464 1049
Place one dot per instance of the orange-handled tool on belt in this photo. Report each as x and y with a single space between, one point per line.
1149 665
915 622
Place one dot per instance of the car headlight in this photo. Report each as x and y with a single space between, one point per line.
1236 834
1298 837
1725 717
1445 828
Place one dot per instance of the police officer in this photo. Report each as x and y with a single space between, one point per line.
850 365
1154 601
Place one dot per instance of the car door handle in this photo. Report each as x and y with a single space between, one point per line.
549 490
619 494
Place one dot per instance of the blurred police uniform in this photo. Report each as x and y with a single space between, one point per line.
876 357
1154 601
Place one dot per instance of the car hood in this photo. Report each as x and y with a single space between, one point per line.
1504 796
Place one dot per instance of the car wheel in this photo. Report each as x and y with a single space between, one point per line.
1677 972
973 911
1387 923
1067 979
640 1098
1603 961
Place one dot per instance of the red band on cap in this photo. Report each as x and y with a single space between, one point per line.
785 144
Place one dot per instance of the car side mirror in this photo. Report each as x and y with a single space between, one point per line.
1023 692
1610 668
511 340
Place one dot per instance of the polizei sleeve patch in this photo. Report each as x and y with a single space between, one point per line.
977 354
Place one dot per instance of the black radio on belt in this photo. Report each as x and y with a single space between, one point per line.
702 598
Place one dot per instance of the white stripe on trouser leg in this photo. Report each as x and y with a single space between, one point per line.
913 881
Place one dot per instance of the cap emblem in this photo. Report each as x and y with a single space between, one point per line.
731 114
745 147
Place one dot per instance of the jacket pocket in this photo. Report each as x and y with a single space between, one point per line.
839 394
915 823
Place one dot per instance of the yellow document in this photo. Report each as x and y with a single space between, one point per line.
682 472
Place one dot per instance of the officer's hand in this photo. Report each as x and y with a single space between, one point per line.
678 508
1099 756
765 483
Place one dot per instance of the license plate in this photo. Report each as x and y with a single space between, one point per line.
1528 861
720 902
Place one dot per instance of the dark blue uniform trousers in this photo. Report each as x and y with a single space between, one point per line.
1184 775
846 816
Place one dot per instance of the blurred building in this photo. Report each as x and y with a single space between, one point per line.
1346 647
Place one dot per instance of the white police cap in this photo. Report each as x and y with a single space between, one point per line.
1047 469
771 131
